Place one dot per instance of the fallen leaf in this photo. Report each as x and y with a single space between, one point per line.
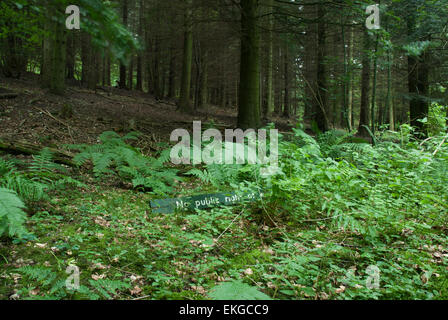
136 291
97 276
248 272
341 289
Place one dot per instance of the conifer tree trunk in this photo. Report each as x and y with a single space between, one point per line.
139 85
389 102
203 91
286 107
375 68
131 74
249 92
418 77
123 71
71 53
321 107
365 87
172 74
270 93
350 80
185 89
107 71
310 63
55 52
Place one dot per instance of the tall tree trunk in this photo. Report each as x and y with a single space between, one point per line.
350 81
123 71
418 78
270 67
418 89
365 86
92 71
249 92
185 89
310 71
375 68
141 23
85 58
345 119
321 107
172 74
107 75
389 102
55 57
71 54
203 91
286 106
131 73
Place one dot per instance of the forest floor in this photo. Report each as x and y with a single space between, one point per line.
107 230
38 117
327 226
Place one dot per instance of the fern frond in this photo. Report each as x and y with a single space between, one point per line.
12 214
237 290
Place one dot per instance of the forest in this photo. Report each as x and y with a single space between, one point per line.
116 184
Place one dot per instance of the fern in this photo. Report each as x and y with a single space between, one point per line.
43 162
29 190
39 274
12 214
108 288
347 151
237 290
115 157
6 167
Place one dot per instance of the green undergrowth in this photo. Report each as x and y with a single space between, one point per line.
341 220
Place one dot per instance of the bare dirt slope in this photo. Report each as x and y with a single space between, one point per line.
39 117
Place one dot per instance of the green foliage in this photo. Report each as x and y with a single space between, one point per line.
53 284
217 175
437 120
99 18
20 187
43 163
41 176
113 156
377 197
237 290
12 214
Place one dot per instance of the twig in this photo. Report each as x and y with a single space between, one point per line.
228 227
140 298
440 145
46 112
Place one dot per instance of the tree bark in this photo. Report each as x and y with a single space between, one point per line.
320 107
286 106
249 92
55 58
185 89
123 71
365 87
270 67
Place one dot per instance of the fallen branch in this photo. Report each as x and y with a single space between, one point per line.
23 147
7 94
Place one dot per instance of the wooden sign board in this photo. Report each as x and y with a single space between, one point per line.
204 201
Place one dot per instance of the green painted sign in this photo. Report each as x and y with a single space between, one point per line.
204 201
